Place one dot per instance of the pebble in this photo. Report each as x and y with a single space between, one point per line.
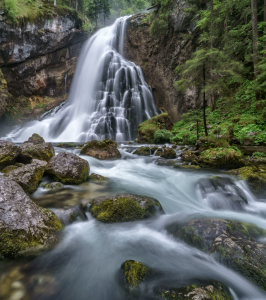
17 295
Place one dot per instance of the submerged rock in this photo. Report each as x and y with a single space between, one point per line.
35 139
69 215
28 176
124 208
23 224
168 153
233 244
41 151
52 185
68 168
222 193
221 158
97 178
8 153
101 150
143 151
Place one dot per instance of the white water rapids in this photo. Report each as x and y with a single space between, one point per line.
109 97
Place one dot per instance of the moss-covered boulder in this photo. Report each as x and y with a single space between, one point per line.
9 152
23 224
134 273
66 145
221 193
68 168
187 167
97 178
148 128
233 244
143 151
255 176
41 151
124 208
221 158
9 168
28 176
52 185
190 157
209 142
105 150
35 139
158 152
168 153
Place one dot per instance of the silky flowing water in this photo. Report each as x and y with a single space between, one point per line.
86 262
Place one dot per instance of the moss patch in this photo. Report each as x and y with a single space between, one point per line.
134 272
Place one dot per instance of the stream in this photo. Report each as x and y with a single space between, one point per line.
86 263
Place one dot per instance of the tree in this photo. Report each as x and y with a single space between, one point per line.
254 15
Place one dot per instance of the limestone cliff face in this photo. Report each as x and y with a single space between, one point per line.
38 61
160 57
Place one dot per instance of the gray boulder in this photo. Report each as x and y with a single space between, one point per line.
28 176
8 153
23 224
41 151
68 168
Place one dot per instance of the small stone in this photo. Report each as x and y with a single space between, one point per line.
16 285
17 295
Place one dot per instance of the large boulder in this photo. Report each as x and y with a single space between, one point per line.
124 208
28 176
23 224
36 148
168 153
190 157
104 150
68 168
148 128
143 151
221 158
8 154
232 243
222 193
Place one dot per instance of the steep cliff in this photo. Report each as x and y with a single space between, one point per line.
38 60
159 57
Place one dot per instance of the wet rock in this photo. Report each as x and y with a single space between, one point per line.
143 151
153 150
168 162
28 176
3 94
35 139
159 152
222 193
68 168
168 153
148 128
197 291
66 145
255 177
70 215
52 185
23 224
41 151
124 208
97 178
187 167
8 154
104 150
9 168
221 158
233 244
189 156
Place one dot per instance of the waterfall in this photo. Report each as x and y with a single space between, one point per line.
109 97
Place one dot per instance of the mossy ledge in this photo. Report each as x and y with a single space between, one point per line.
124 208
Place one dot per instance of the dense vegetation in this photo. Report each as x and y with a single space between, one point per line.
228 68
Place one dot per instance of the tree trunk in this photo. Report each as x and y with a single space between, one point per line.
54 2
212 95
204 103
264 28
254 14
70 4
76 5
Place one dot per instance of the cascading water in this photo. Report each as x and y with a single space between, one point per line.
109 97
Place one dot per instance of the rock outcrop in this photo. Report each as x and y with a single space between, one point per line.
23 224
104 150
159 57
41 151
124 208
68 168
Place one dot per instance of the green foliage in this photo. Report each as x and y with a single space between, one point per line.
162 136
258 154
11 8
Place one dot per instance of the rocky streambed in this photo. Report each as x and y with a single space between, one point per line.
128 221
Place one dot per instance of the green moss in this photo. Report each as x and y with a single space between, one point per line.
9 169
134 272
105 144
66 145
143 151
97 178
53 220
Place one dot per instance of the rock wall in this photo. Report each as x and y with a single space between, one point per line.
160 57
38 61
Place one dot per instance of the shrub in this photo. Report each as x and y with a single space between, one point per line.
258 154
162 136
